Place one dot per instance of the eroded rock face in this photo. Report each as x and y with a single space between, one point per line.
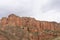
2 37
4 21
26 28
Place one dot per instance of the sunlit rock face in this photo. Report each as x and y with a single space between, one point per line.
26 21
4 21
26 28
11 19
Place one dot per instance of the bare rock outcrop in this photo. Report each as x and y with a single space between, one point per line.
26 28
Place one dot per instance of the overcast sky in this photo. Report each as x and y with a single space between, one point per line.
47 10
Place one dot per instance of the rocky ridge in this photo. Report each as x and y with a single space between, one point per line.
39 30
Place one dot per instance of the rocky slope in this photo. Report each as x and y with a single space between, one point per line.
26 28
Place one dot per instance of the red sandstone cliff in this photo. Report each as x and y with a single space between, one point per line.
32 24
27 21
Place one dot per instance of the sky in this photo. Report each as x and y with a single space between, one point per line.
46 10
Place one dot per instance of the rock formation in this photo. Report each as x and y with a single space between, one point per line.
26 28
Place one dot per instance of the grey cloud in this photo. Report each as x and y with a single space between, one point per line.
23 8
51 5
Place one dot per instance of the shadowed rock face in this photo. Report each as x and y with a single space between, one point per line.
25 28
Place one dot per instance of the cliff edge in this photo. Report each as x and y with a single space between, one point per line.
26 28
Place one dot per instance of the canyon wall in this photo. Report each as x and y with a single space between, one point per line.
27 21
33 25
